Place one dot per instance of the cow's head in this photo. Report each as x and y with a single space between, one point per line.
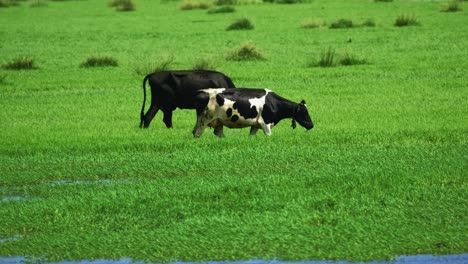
302 116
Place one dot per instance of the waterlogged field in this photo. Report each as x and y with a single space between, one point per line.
383 173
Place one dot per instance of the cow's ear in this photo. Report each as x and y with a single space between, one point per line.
303 102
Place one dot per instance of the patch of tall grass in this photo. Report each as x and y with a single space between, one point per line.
349 59
286 1
21 63
122 5
327 58
38 3
368 23
246 51
452 6
330 58
221 9
149 64
8 3
99 61
241 24
406 20
3 78
205 63
342 23
194 4
224 2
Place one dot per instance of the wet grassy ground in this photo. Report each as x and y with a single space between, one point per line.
382 174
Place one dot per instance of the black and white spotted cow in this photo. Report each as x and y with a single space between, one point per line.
243 107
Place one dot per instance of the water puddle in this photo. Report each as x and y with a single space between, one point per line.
6 239
13 199
418 259
85 182
16 198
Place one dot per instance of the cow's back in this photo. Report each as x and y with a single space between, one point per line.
239 107
182 81
178 87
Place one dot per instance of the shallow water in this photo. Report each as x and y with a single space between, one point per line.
83 182
6 239
418 259
13 199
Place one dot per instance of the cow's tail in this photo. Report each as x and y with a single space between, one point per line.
142 114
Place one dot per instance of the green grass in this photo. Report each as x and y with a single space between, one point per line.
312 23
383 173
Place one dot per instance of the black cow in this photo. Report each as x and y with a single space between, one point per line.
172 89
242 107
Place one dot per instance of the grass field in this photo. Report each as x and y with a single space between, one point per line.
383 173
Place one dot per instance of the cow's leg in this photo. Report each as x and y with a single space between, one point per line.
198 130
218 128
167 118
152 111
200 125
253 130
218 131
266 128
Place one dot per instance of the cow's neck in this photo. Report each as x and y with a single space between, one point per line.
287 110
